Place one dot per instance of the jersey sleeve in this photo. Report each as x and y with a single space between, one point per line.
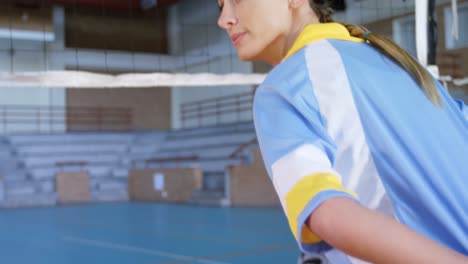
298 154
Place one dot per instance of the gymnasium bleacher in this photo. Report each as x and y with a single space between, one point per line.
29 163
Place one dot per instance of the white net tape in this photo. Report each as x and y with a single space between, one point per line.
456 82
78 79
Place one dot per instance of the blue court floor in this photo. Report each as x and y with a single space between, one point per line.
145 233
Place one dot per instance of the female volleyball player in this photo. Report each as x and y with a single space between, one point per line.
367 152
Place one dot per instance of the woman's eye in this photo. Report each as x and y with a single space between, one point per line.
220 5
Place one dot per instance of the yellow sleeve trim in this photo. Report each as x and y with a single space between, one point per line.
302 193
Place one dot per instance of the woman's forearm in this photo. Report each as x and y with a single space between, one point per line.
373 237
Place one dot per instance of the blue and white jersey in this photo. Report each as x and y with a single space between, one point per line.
338 118
463 108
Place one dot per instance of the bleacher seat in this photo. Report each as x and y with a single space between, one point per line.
29 163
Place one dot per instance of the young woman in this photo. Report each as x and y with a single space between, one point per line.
367 152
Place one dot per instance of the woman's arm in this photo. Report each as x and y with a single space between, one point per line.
370 236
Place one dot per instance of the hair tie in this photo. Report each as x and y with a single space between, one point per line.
366 35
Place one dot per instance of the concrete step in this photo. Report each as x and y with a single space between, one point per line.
166 164
208 131
209 198
143 149
6 152
53 159
78 149
120 173
219 165
213 163
15 175
44 173
2 191
29 200
210 152
29 187
149 138
110 196
221 151
10 165
50 172
71 138
108 184
218 141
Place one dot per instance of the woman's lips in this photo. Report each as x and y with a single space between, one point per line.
236 38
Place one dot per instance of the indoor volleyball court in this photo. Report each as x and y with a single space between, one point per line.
127 135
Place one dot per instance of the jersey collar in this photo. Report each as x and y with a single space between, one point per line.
316 32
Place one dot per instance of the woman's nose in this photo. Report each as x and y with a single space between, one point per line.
227 19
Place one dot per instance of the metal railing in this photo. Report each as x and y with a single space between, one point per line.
177 160
217 111
49 119
237 152
65 165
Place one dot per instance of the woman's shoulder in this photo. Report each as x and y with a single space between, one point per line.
289 73
327 54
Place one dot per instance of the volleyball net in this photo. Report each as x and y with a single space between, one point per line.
77 44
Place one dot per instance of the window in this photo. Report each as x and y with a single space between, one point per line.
404 33
462 41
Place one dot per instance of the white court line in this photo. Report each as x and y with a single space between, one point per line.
127 248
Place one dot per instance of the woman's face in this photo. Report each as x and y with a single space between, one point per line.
256 27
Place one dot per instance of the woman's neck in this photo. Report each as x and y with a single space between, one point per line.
297 27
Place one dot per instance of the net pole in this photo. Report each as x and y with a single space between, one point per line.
432 37
455 26
421 11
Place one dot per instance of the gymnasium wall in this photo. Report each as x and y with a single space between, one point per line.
114 31
134 31
175 185
150 107
251 185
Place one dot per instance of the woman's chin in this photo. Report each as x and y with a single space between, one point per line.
244 56
250 54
